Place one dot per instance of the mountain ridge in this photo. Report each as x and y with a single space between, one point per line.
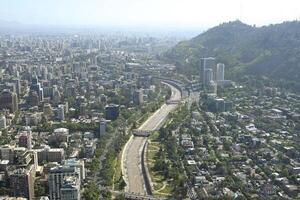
272 50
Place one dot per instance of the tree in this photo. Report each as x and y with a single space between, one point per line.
227 145
39 190
120 197
122 183
106 194
180 190
91 192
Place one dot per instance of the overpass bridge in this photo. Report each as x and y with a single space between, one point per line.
172 102
141 133
175 83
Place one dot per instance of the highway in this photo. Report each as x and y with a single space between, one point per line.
131 156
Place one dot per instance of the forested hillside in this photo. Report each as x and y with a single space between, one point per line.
272 50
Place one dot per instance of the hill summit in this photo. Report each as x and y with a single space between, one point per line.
272 50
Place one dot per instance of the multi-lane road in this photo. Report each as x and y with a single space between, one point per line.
131 157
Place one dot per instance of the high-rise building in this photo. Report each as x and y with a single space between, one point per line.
66 107
208 76
44 72
220 106
34 79
24 158
78 164
83 108
220 71
77 67
56 97
9 100
56 179
22 183
111 112
18 85
36 86
95 60
138 97
61 112
102 127
206 63
70 189
33 98
48 154
7 153
47 110
2 122
25 139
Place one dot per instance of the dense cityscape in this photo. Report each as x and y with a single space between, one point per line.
77 111
136 101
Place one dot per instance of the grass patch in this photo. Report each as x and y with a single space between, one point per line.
160 184
154 136
167 190
119 183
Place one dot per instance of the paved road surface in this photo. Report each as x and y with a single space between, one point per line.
131 158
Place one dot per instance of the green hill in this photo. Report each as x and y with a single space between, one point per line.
273 50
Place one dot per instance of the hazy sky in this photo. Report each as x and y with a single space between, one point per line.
195 13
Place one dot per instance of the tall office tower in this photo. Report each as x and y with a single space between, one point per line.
66 106
212 87
56 179
36 86
70 189
56 95
11 87
220 71
34 80
9 100
47 110
76 67
33 98
83 109
25 139
206 63
138 97
7 153
111 112
44 72
95 60
99 44
22 183
47 89
2 122
17 82
208 76
61 112
79 164
102 128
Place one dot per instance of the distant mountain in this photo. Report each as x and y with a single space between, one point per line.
4 23
272 50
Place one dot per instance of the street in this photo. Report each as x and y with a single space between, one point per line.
131 158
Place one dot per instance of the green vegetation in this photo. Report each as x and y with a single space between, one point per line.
4 137
156 167
164 158
270 50
39 189
91 192
72 126
107 171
